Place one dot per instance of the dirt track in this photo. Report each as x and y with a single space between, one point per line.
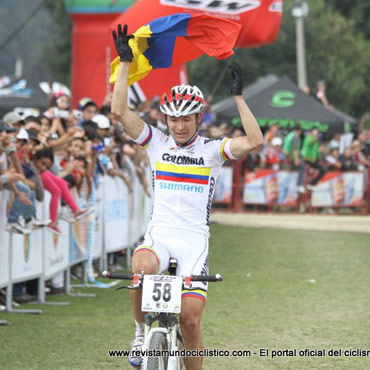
303 222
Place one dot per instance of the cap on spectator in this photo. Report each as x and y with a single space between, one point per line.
12 117
102 121
83 102
32 135
22 134
333 145
276 141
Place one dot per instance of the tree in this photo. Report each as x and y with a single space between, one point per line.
57 52
335 52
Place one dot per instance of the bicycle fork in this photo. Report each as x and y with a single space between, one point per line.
170 331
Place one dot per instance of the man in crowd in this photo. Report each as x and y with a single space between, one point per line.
311 156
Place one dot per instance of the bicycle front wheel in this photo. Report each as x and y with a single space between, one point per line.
158 342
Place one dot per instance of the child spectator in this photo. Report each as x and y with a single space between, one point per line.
57 187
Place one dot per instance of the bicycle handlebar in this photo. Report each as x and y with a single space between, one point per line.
121 276
117 275
209 278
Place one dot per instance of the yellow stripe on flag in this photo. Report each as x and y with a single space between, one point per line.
140 66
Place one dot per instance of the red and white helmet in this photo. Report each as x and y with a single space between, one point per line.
182 100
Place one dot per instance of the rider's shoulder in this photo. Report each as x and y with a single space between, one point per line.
211 141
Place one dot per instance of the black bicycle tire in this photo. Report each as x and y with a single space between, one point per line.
156 343
180 347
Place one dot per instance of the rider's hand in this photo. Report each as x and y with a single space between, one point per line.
121 40
236 79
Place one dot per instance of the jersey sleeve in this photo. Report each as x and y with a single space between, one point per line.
220 149
150 137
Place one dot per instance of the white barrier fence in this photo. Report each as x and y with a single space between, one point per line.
119 222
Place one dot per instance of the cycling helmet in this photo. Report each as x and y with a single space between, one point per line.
182 100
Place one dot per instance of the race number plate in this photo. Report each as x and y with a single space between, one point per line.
161 293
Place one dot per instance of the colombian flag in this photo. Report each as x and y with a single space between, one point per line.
177 39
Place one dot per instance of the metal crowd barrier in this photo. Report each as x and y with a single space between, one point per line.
118 222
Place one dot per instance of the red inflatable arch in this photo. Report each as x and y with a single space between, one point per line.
93 48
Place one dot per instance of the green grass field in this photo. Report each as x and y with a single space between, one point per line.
265 301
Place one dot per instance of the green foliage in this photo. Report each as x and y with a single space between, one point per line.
335 52
57 52
356 10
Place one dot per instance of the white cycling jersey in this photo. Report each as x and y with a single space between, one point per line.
183 178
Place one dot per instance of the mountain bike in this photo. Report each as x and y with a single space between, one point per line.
161 296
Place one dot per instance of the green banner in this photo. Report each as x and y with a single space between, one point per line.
97 6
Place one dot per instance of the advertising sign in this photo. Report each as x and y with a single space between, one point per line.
339 189
270 187
224 186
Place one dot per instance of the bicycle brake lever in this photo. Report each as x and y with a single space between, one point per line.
127 287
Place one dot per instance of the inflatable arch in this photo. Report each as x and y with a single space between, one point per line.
93 48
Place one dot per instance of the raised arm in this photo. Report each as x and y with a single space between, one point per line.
130 120
240 146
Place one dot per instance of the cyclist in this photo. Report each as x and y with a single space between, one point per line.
185 168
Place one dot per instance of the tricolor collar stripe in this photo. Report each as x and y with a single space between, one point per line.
189 143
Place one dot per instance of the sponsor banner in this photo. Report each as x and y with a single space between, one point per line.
56 248
211 6
4 257
27 255
287 188
4 241
271 187
79 233
224 186
345 189
116 213
56 255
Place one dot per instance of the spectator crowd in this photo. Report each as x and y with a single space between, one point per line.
64 150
